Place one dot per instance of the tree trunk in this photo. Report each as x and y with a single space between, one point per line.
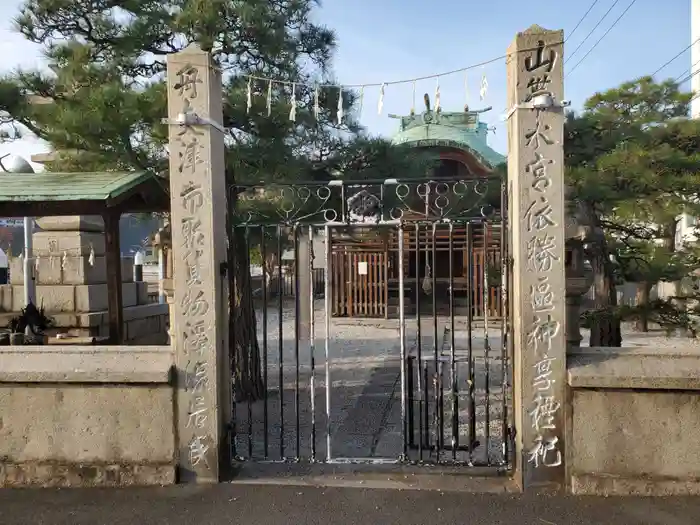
668 236
270 267
605 325
669 243
643 293
245 351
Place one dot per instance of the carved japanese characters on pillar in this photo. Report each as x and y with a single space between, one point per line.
196 181
536 182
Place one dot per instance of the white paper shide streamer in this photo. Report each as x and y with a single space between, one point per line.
437 95
269 98
249 96
340 105
316 107
91 258
484 86
380 105
413 101
340 111
293 101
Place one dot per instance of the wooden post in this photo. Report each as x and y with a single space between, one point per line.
114 277
536 221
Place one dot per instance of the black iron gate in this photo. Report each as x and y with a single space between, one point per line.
428 380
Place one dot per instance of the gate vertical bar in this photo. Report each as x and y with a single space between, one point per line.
402 342
280 340
453 366
505 286
297 335
263 256
473 443
487 344
249 285
327 320
312 380
232 277
233 284
436 349
419 346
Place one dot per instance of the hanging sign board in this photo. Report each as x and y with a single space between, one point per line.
362 268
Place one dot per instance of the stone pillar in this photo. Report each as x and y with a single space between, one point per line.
199 313
578 282
537 222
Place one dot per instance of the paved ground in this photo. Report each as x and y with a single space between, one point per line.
364 369
268 505
364 398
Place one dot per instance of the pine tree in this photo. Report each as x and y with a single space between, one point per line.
107 64
633 164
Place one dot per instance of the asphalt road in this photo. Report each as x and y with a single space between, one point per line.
285 505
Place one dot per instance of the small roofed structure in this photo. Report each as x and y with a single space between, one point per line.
105 194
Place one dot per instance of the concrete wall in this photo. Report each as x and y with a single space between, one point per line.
105 416
634 420
86 416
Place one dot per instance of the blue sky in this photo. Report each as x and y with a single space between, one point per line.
388 40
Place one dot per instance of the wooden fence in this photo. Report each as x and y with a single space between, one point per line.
359 281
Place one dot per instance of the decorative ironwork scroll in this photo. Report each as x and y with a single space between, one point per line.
367 202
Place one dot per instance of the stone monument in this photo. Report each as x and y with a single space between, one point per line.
579 278
71 283
537 226
200 295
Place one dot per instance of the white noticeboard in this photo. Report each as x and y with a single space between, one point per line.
362 268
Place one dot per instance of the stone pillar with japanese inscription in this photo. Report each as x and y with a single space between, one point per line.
537 222
198 219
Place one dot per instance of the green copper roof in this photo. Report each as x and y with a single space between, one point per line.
48 186
452 130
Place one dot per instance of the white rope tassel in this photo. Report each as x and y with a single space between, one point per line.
36 263
437 95
340 105
484 86
293 109
249 95
317 110
269 98
413 101
380 105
